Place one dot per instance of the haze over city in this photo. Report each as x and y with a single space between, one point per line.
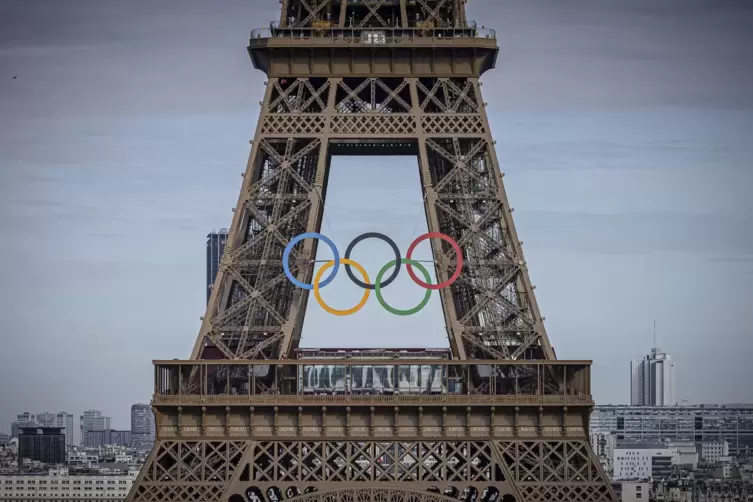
623 130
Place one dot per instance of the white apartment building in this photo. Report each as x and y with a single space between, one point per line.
642 461
714 451
632 491
653 380
57 484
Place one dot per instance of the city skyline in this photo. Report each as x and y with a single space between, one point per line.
124 143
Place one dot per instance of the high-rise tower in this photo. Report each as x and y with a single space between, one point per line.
215 247
249 417
652 380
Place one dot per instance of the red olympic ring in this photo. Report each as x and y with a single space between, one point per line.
458 253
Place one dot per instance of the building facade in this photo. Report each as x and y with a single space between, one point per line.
603 444
108 437
684 453
46 419
60 419
93 427
25 419
714 451
632 491
653 380
42 444
215 247
697 424
642 461
57 484
142 427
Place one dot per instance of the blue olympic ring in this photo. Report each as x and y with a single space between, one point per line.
286 259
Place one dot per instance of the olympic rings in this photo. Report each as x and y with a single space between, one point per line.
373 235
378 284
353 310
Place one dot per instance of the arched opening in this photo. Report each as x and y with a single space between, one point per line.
508 498
236 498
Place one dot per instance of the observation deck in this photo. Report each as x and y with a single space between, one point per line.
369 397
465 51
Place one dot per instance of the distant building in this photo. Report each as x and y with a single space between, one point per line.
142 427
632 491
714 451
42 444
653 380
697 424
120 438
684 453
59 485
108 437
642 461
603 444
215 247
4 439
93 427
25 419
82 458
61 419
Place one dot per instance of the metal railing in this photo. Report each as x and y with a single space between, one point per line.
372 399
374 36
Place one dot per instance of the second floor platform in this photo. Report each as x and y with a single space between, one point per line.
372 382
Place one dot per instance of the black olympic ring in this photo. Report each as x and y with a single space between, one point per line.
373 235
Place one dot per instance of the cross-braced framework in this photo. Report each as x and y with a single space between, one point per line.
490 311
246 420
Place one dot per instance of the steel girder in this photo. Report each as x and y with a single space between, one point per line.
423 470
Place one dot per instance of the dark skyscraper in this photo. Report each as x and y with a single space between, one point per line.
43 444
215 246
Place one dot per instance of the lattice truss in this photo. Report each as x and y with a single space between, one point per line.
490 298
493 302
377 107
447 95
363 95
188 471
256 297
467 471
372 13
298 95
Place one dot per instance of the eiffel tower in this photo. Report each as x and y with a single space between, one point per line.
251 416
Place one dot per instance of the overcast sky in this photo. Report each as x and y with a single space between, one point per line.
624 127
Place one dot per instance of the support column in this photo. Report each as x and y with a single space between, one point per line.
292 329
454 329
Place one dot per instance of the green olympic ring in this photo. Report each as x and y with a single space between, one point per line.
378 288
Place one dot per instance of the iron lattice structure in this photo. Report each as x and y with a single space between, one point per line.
503 419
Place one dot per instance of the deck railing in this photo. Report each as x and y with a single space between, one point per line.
352 381
373 36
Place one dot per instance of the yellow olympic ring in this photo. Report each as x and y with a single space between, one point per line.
318 277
